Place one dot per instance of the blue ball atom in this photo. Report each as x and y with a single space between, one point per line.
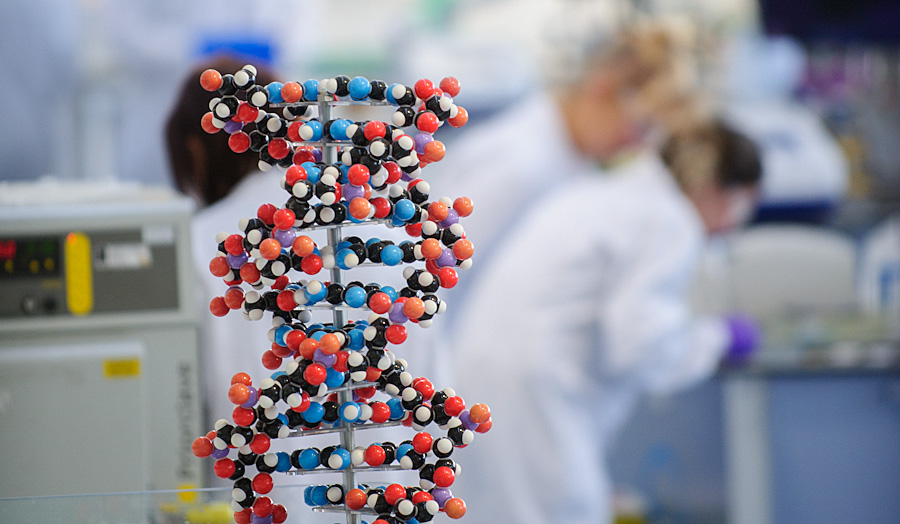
274 89
355 296
391 255
310 90
359 88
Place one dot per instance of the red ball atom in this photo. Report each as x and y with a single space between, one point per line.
270 360
262 483
450 85
284 219
374 455
266 212
224 468
355 499
424 88
218 266
218 307
202 447
395 334
239 142
315 373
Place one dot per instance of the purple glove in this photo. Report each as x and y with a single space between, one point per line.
745 336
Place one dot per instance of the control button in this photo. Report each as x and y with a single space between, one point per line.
50 304
30 305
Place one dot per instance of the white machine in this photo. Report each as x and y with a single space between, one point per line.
99 378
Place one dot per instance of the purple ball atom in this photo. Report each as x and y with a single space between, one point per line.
284 236
452 218
467 421
219 453
232 126
322 358
441 495
251 400
396 314
254 519
351 191
447 258
422 140
236 261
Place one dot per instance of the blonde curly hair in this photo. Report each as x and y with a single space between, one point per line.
656 69
656 66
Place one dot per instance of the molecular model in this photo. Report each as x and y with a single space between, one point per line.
340 376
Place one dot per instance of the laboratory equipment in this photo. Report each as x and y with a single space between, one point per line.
332 370
98 343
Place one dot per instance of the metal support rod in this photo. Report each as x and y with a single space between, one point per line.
748 450
329 156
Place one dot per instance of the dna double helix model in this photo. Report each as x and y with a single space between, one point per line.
340 375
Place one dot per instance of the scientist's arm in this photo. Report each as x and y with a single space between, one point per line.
647 331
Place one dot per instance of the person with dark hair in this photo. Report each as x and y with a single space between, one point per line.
203 166
719 170
578 304
227 186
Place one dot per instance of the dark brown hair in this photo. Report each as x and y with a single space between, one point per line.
713 153
223 168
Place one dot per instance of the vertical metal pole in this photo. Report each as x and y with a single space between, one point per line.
747 448
329 156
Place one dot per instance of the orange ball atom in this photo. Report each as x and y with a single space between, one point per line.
308 348
211 80
291 92
463 249
450 85
431 248
480 413
462 116
414 308
206 122
329 344
435 151
438 211
455 508
359 208
303 246
242 378
238 393
463 206
270 249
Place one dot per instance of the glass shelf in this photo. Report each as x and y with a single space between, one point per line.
199 506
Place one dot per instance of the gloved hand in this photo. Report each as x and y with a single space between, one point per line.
745 338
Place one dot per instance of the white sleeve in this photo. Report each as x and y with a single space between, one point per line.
648 334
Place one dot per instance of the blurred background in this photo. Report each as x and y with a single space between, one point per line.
806 432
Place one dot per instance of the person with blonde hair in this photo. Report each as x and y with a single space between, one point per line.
591 208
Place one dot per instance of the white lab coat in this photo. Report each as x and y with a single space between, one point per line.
575 305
